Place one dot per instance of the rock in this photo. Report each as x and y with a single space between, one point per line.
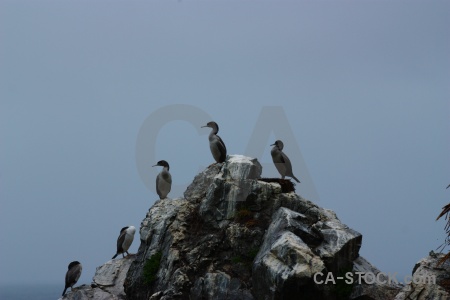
295 249
231 186
163 228
197 189
219 286
85 292
111 276
189 233
239 167
386 288
107 282
429 280
237 236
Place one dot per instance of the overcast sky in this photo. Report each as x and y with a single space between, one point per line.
357 90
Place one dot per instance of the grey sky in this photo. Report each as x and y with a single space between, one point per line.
364 86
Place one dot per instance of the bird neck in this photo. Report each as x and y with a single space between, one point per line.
214 130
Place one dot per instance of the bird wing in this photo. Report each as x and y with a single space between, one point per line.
68 273
282 156
72 275
169 180
222 149
77 272
287 164
158 191
167 177
120 240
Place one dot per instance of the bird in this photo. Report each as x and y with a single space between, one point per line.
72 275
281 161
217 146
163 180
124 240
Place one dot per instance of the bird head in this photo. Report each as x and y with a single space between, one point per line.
278 144
73 264
162 163
212 125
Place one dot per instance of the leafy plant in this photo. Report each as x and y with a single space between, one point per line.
151 267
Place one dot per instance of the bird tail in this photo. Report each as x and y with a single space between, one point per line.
115 256
64 292
295 178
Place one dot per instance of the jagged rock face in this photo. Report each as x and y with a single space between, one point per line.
422 285
299 245
163 228
235 237
219 285
107 282
386 288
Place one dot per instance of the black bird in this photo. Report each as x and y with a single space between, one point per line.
72 275
163 180
217 146
281 161
124 240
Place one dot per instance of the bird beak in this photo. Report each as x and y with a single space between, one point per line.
203 126
272 145
155 166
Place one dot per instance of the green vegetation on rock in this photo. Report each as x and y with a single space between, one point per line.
151 268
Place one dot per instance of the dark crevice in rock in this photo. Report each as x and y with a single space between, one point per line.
287 185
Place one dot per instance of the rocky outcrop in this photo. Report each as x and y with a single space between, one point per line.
234 236
107 282
381 289
430 280
297 246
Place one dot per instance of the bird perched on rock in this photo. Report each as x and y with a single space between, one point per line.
72 275
163 180
281 161
217 146
124 240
